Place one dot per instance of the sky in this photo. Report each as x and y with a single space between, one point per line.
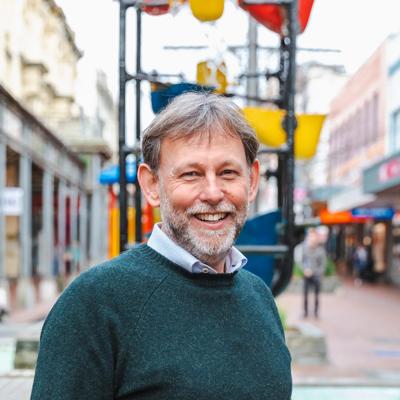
355 27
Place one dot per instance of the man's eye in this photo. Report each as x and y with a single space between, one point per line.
229 172
190 174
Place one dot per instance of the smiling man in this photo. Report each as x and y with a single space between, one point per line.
178 317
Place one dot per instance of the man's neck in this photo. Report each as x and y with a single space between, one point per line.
216 262
220 267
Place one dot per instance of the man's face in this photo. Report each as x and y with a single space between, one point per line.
205 186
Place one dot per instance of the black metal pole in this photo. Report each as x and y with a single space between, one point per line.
282 96
291 126
288 48
123 220
138 194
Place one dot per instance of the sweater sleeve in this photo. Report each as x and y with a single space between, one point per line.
76 358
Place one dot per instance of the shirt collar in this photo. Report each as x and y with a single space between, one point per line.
163 244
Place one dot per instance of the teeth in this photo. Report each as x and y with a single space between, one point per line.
211 217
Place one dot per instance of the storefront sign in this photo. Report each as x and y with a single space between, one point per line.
11 201
389 170
375 213
382 175
334 218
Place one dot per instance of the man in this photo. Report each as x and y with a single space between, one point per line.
313 265
177 318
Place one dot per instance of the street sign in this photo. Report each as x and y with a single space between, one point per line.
11 201
376 213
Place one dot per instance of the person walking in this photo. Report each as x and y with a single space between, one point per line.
313 266
360 263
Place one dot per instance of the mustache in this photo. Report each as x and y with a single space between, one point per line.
223 207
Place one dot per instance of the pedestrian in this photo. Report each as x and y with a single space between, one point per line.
313 266
360 263
178 317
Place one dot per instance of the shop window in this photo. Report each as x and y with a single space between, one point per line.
379 247
374 112
361 121
394 138
371 119
353 135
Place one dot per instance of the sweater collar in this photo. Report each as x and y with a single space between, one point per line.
163 244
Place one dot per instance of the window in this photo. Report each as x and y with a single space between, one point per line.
374 117
368 122
394 138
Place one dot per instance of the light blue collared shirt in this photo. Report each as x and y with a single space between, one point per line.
165 246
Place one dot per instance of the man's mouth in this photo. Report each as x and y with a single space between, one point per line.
208 217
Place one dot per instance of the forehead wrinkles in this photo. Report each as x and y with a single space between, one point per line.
192 139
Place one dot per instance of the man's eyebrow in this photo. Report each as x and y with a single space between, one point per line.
233 163
185 165
196 165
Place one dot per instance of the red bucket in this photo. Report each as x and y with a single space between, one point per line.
273 16
155 9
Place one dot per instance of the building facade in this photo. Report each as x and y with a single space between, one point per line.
39 57
53 215
362 153
43 213
357 123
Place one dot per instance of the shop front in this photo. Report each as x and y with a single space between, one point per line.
383 181
43 213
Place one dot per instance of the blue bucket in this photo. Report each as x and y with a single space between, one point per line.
161 97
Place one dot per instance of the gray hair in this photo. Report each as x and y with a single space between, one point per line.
197 113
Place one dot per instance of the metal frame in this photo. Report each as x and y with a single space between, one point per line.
286 161
124 151
286 76
285 173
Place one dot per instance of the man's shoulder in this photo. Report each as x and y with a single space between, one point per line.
254 281
129 272
262 297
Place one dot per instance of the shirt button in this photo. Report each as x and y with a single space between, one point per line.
205 270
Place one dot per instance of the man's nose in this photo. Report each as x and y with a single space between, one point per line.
211 191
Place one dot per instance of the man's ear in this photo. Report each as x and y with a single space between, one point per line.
149 184
254 180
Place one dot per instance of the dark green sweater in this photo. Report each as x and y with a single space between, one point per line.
141 327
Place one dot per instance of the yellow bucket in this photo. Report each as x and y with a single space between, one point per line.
208 75
207 10
268 126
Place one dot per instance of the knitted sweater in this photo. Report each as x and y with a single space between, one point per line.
141 327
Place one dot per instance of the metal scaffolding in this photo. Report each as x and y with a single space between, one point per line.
286 76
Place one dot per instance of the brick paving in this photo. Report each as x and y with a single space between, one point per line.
362 330
35 313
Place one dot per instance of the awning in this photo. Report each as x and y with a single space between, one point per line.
110 175
324 193
383 175
349 198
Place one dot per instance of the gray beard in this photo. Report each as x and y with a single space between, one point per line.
208 246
